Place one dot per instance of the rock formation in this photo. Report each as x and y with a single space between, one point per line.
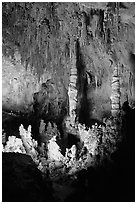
105 33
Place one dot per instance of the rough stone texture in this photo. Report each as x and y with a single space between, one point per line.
18 86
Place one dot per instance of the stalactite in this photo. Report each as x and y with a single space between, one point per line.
105 23
115 22
96 82
83 30
88 77
115 96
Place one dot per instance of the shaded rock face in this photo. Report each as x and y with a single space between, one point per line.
22 181
106 35
51 101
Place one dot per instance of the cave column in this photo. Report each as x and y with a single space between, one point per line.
72 89
115 95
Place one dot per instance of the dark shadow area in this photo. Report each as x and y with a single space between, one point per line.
12 121
111 181
83 108
22 181
114 180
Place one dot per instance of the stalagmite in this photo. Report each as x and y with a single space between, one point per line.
29 143
54 151
115 96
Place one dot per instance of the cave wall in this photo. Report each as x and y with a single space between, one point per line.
101 68
19 85
106 33
110 42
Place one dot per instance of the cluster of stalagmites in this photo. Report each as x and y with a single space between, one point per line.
48 156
